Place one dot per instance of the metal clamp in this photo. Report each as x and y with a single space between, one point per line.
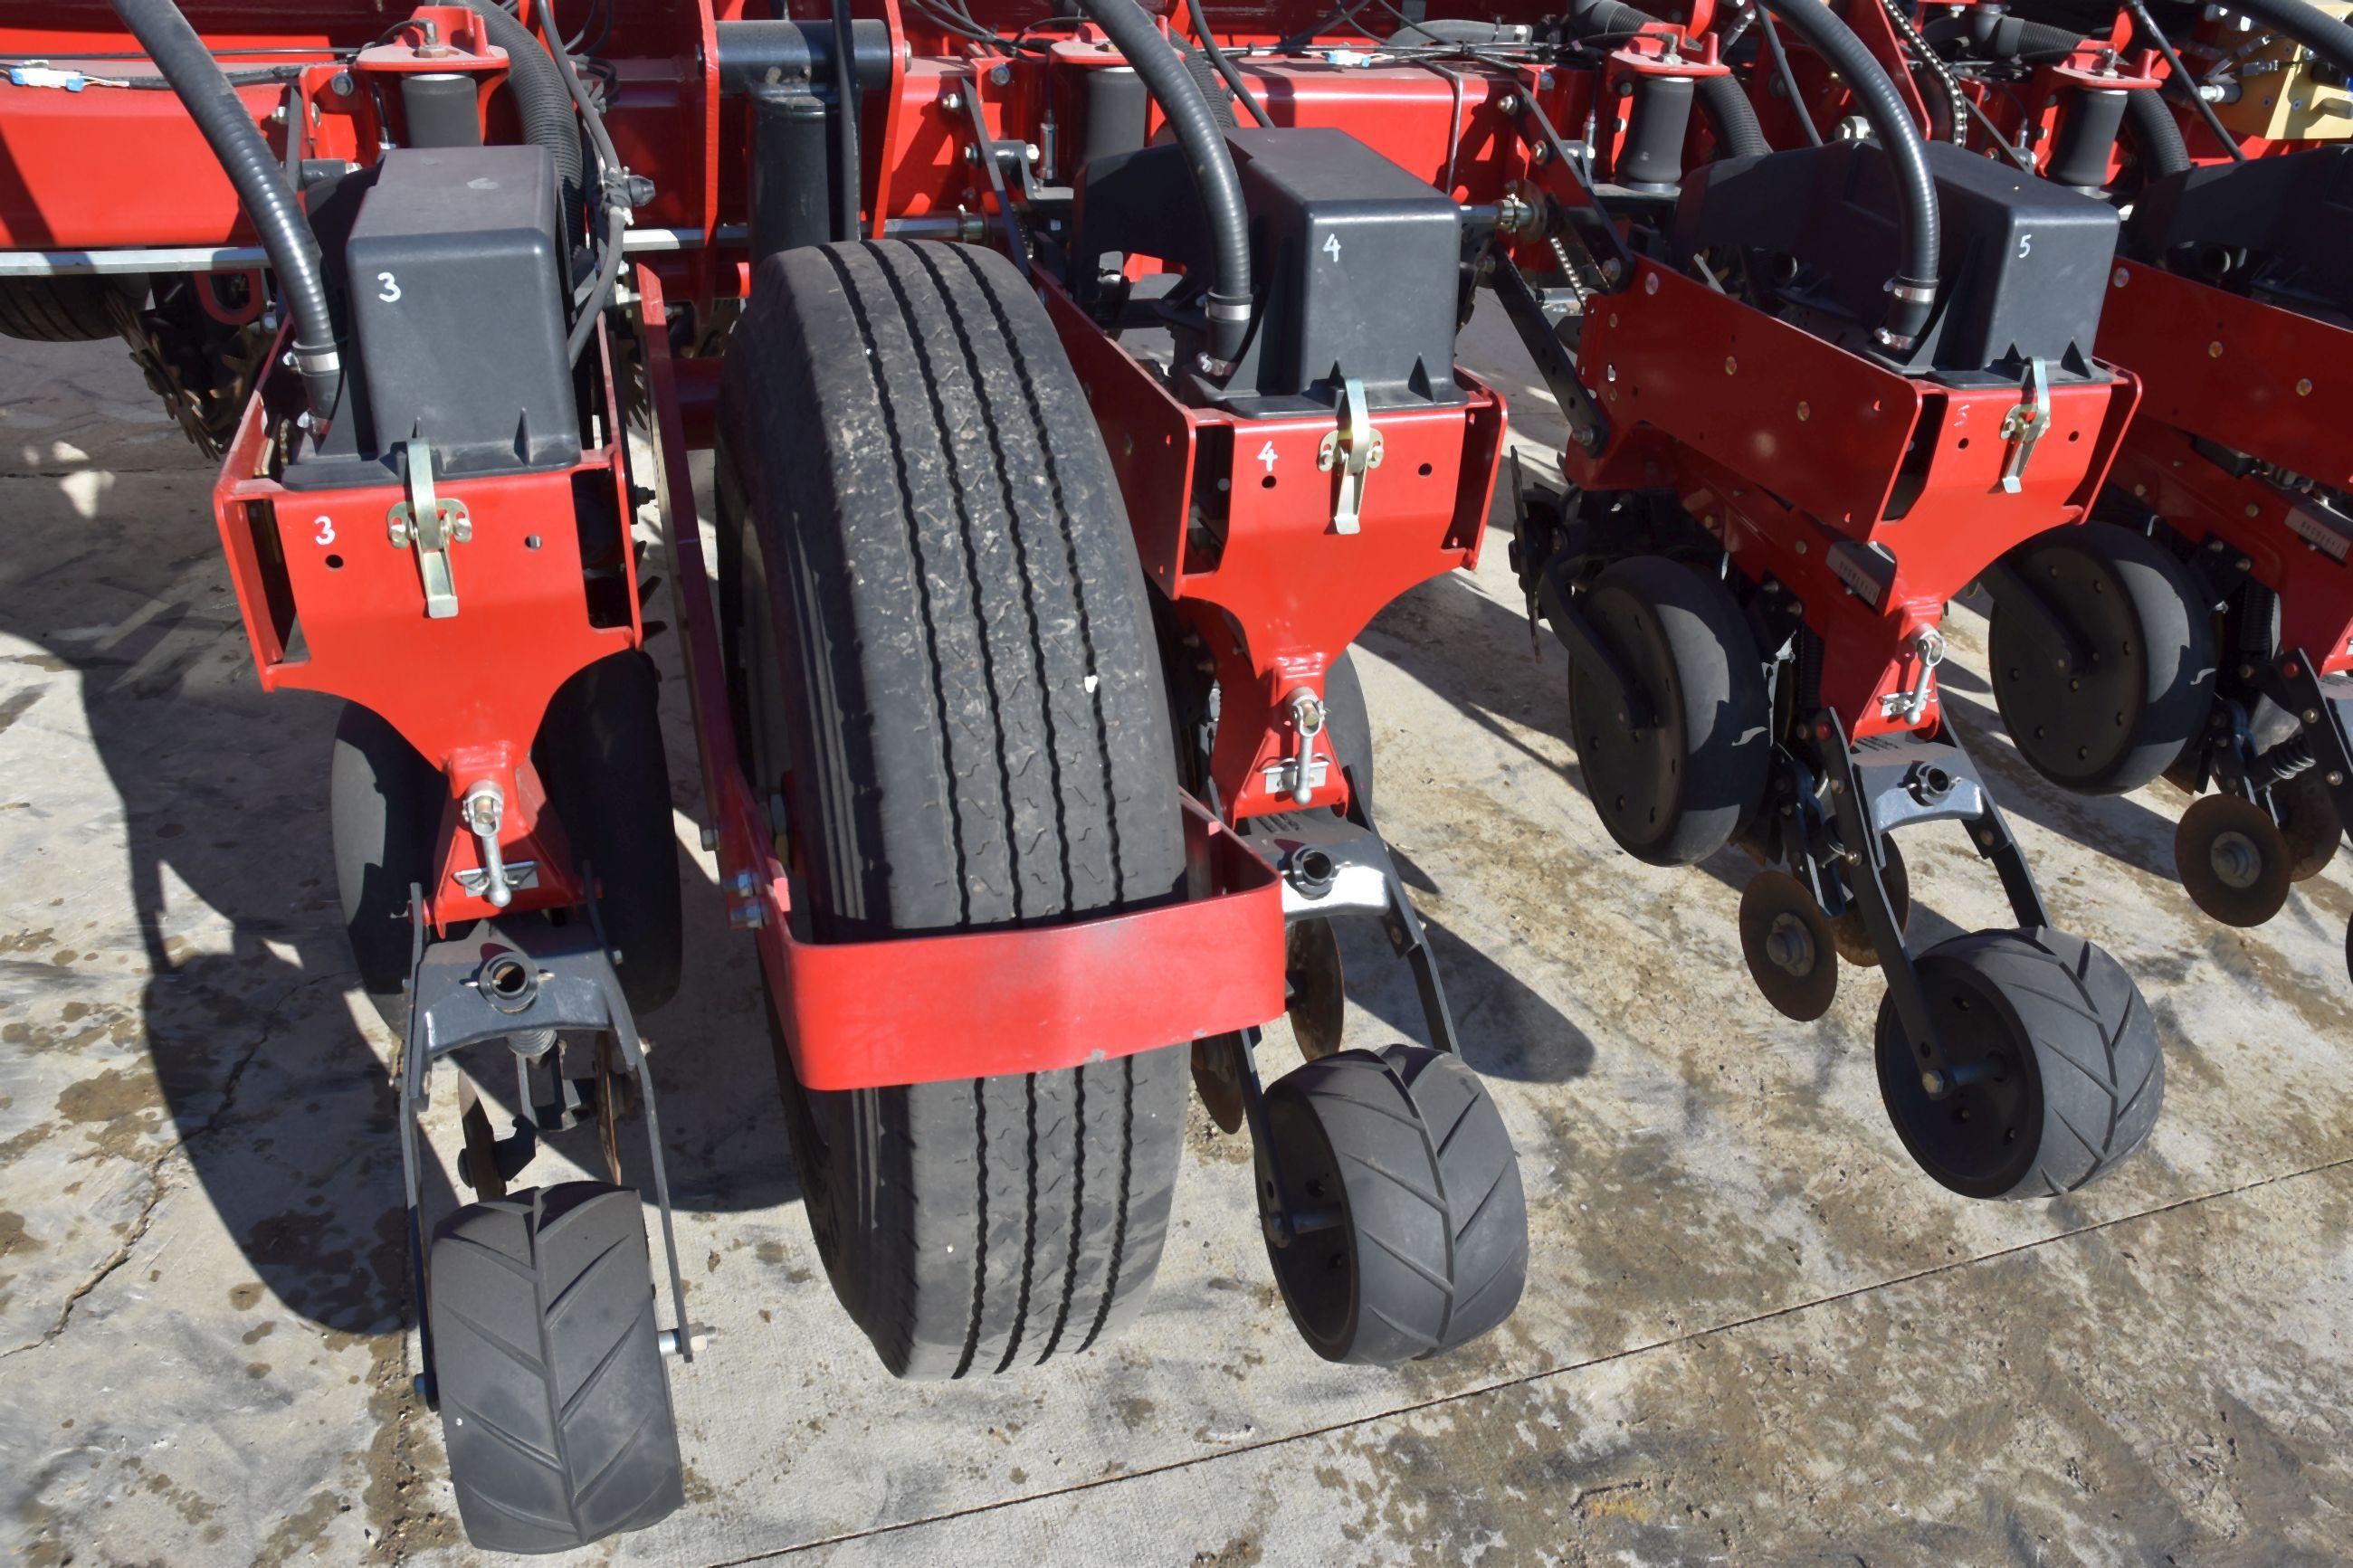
482 810
1927 646
2026 423
1306 724
1355 447
431 525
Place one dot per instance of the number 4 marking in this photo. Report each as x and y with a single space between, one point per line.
1266 455
1331 247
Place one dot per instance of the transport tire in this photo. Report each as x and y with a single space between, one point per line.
2118 725
384 811
954 684
600 755
1425 1245
2073 1074
64 309
1675 794
556 1410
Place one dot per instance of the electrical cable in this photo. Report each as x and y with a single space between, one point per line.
1788 78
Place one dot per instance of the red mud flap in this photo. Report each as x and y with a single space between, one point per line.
927 1009
978 1004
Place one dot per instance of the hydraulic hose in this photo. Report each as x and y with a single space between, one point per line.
1912 289
541 100
1171 85
260 184
1729 112
1224 63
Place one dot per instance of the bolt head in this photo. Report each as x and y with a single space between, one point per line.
952 103
2303 387
1001 74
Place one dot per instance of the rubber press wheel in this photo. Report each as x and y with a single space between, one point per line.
2119 723
2055 1074
1416 1238
556 1410
1675 791
956 690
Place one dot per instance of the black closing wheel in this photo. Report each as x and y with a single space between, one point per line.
2051 1069
1349 721
1675 791
2137 612
2233 859
956 689
384 811
1414 1237
1791 951
600 753
2309 822
554 1407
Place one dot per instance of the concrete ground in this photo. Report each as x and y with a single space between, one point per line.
1752 1332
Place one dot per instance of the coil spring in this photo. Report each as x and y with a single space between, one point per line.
2283 761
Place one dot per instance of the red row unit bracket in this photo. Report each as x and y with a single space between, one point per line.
927 1009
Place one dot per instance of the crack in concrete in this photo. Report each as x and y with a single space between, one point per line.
157 1186
1672 1342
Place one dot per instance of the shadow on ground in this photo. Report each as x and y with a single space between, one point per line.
271 1082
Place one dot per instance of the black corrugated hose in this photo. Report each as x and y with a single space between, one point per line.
1912 290
540 101
1165 76
260 184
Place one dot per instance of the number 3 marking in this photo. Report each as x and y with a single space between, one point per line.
326 534
390 293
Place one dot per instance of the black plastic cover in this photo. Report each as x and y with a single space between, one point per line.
2024 263
2281 226
1354 260
455 273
